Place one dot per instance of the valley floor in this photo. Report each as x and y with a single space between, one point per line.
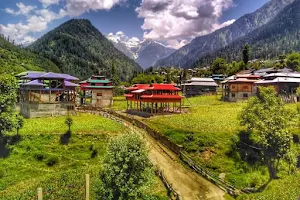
45 157
208 131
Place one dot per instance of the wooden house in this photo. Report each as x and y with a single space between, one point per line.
154 98
199 86
284 83
46 94
240 88
97 91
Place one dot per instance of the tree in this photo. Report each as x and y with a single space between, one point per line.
8 98
69 122
246 53
127 169
19 123
219 66
114 75
266 118
293 61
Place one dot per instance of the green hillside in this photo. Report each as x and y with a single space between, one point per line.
279 36
14 59
78 48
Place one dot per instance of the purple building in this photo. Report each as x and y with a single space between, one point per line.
43 94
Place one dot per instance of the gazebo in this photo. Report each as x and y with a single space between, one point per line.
46 94
154 98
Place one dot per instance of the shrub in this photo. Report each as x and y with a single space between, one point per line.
52 160
39 156
94 153
1 173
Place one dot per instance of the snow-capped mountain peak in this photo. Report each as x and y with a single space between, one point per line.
145 52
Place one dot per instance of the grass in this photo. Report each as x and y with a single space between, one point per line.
119 103
40 160
207 132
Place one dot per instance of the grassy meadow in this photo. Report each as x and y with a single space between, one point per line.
46 157
213 126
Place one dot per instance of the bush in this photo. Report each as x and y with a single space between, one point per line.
118 91
39 156
1 173
52 160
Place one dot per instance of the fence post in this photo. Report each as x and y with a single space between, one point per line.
40 193
87 187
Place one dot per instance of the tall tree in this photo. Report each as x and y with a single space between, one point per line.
266 118
246 53
114 75
8 98
219 66
127 170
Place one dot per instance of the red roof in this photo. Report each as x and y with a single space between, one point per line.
139 86
243 80
128 95
163 87
158 96
154 87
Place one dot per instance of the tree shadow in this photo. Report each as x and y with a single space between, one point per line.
65 138
245 149
7 140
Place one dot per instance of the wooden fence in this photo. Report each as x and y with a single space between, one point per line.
225 186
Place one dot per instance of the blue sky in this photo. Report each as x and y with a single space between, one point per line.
172 22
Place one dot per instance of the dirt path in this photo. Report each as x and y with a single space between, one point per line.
187 183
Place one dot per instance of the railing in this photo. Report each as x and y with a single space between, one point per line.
225 186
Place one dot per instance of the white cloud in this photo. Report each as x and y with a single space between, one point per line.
78 7
20 32
47 3
180 21
22 9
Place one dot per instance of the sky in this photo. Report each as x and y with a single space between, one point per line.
172 22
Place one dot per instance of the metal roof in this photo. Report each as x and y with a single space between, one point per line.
201 80
70 84
98 81
49 75
280 80
34 83
201 84
139 91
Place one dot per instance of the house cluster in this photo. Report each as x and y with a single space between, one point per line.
245 84
44 94
49 94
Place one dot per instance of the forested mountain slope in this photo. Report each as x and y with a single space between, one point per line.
14 59
78 48
280 36
200 46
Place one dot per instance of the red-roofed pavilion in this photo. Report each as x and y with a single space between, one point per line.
154 98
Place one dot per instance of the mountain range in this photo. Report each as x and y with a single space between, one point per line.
206 45
145 52
280 36
80 49
14 59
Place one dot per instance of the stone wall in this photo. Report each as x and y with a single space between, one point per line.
102 98
33 110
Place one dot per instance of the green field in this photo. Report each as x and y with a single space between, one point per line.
39 159
213 126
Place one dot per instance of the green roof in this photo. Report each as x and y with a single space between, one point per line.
99 87
98 81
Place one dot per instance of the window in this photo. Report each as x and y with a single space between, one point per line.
233 95
245 95
99 94
245 87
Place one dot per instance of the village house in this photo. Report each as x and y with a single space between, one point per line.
199 86
44 94
240 88
153 99
285 84
97 91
